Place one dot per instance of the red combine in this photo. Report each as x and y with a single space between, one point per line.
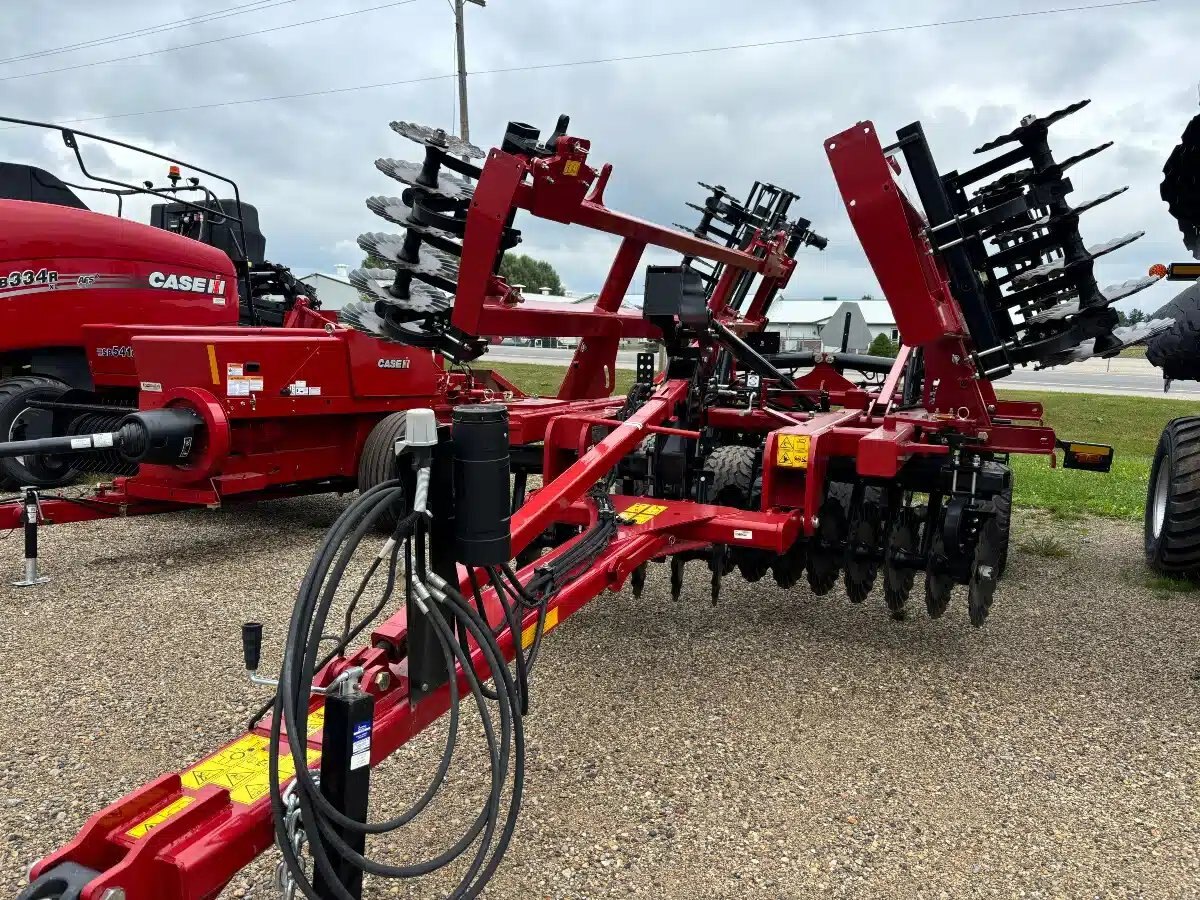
736 456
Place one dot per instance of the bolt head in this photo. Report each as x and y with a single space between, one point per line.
383 680
113 893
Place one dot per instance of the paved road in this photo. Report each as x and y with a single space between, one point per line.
1133 377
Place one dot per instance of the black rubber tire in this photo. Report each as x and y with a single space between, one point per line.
379 463
1173 542
1177 349
15 393
733 485
1002 505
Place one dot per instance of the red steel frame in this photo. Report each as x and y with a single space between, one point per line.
204 839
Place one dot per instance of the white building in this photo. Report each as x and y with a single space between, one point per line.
800 321
334 291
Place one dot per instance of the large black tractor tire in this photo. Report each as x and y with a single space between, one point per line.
1173 501
18 422
734 484
379 463
1176 351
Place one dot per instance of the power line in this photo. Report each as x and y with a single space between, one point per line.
204 18
228 37
614 59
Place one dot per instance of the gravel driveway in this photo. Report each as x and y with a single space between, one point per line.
774 746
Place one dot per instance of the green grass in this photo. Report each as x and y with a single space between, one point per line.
1132 425
1134 352
1172 585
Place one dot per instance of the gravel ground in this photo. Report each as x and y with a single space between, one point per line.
774 746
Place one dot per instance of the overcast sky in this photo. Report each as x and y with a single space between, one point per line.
728 117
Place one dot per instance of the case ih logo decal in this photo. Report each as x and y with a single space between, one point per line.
394 363
196 284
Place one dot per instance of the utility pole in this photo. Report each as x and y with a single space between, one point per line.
464 126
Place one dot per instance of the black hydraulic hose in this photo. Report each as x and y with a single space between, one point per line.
313 605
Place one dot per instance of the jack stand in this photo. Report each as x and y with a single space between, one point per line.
346 777
32 517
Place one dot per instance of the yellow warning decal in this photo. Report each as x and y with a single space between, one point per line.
242 769
571 167
530 633
791 452
144 827
316 720
641 513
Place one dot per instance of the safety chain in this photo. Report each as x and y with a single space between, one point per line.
297 838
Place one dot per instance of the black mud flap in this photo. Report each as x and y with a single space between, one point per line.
1088 457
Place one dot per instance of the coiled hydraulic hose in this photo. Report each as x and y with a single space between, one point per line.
456 623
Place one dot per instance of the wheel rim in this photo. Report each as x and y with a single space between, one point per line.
29 424
1159 502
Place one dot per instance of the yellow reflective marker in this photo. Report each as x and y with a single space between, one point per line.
241 768
530 633
641 513
791 452
144 827
212 364
571 167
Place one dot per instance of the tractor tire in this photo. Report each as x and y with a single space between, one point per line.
15 394
733 484
379 463
1002 506
1173 501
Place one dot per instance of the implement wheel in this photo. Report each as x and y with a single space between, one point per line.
18 422
1173 501
734 484
379 462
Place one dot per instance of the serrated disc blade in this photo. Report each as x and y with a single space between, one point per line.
1056 265
390 247
437 137
406 172
1024 128
393 209
422 300
1112 294
1050 219
361 317
1122 337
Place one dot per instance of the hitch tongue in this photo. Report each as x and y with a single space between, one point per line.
65 881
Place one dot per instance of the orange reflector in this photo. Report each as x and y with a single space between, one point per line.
1158 270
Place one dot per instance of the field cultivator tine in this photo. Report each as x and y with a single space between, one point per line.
716 566
828 547
445 185
676 577
438 139
1126 335
637 580
903 544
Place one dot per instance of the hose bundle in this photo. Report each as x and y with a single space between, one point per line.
457 623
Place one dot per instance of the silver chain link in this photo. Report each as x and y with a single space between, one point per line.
297 838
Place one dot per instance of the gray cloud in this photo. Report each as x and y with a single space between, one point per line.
664 123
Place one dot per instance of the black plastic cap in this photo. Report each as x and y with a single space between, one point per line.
252 644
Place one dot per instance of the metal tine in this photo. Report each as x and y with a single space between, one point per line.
1032 123
438 139
1027 276
430 261
407 172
